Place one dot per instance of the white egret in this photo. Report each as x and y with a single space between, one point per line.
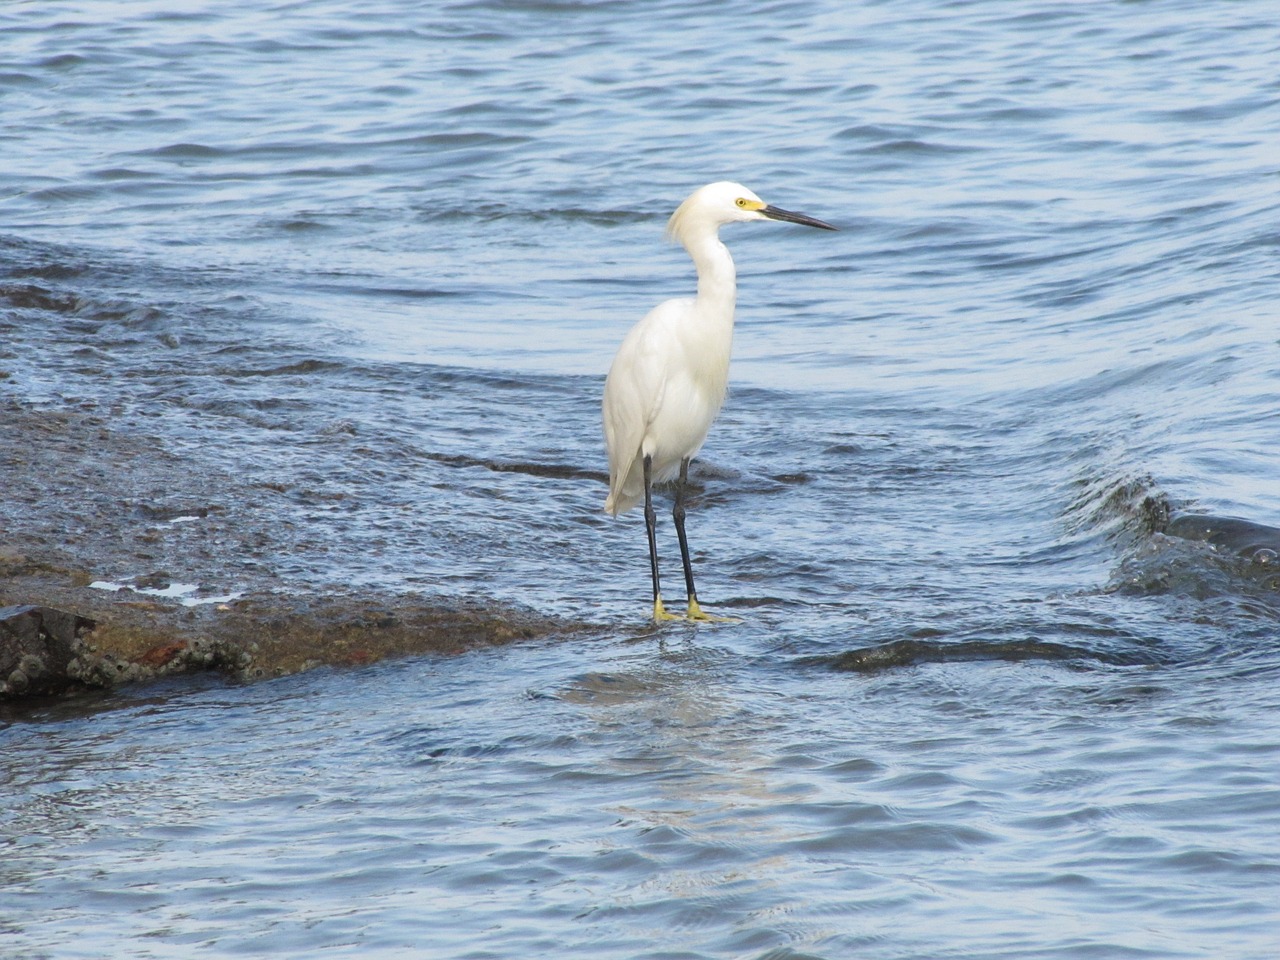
668 379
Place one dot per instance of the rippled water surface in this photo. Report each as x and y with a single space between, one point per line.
988 698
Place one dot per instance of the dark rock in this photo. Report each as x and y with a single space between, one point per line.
36 646
159 580
1244 538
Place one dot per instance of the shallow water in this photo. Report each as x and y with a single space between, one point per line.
374 265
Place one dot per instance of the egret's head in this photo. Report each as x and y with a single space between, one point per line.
709 208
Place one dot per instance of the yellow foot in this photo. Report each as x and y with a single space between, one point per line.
660 614
697 613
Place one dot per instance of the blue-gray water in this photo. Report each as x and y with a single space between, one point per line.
379 255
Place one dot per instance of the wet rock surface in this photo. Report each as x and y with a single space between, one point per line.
1244 538
124 561
128 637
37 646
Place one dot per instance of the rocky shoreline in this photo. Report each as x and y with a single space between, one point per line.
94 512
57 634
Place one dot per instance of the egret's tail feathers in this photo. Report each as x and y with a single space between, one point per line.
619 501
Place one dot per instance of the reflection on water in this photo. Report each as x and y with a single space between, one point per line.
636 802
335 295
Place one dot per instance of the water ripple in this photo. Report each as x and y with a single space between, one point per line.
993 491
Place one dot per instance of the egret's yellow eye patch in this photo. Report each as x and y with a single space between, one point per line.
746 204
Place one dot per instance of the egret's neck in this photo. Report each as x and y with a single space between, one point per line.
717 280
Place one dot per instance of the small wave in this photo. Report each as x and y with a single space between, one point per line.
119 173
18 80
63 61
297 368
553 470
1166 549
1212 112
917 148
63 193
183 151
1125 507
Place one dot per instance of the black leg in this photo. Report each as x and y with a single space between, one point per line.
695 611
651 526
678 515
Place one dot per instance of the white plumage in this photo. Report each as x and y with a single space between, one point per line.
668 380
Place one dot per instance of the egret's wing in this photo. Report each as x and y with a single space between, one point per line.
633 394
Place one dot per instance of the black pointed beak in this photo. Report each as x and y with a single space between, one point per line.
775 213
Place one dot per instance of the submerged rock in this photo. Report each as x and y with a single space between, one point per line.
1244 538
